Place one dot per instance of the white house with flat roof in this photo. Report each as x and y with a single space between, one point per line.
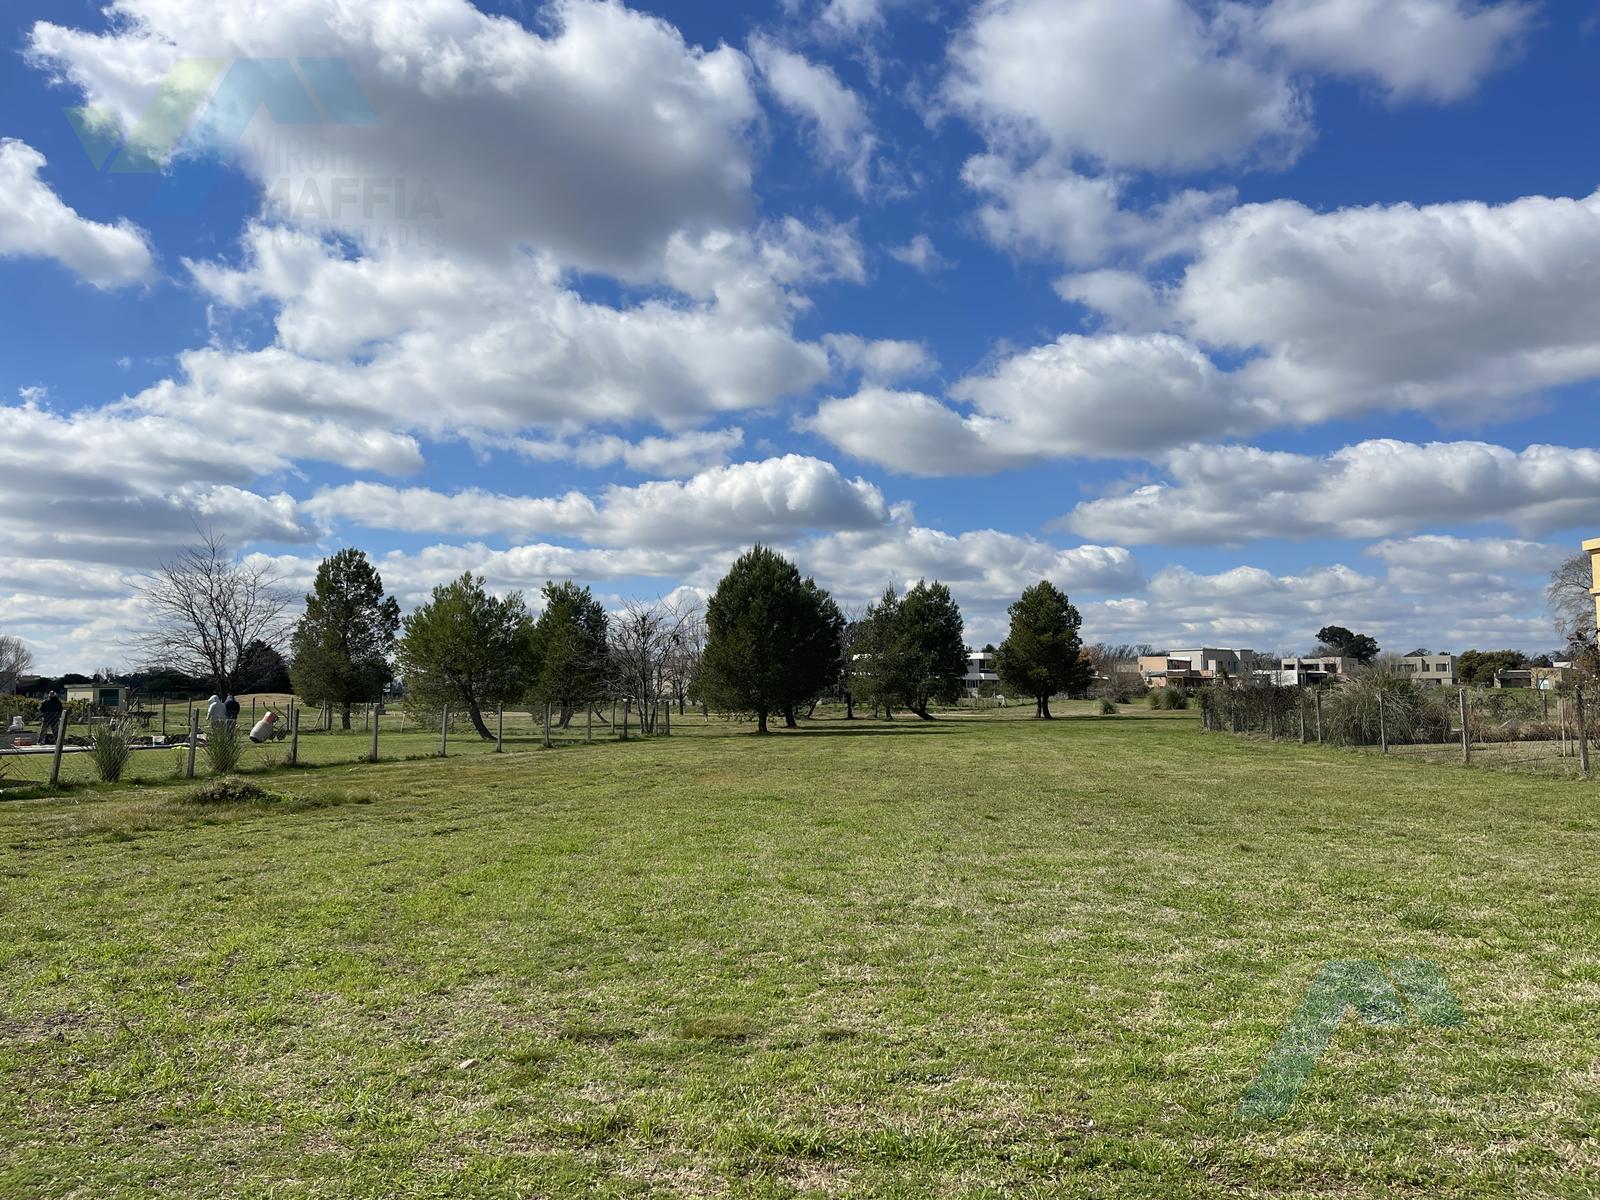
981 672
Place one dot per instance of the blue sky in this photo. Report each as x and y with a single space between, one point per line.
1234 319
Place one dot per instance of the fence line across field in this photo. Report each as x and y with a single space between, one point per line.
1547 732
313 735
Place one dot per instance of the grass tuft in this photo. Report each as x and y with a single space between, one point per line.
230 789
718 1027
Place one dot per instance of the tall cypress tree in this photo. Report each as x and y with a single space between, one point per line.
468 649
569 648
772 639
912 649
1043 654
342 645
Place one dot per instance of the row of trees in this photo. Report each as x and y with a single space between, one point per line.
776 642
770 642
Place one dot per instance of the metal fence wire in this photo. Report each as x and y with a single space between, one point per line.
1544 732
160 749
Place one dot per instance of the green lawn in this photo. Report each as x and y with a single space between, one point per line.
987 957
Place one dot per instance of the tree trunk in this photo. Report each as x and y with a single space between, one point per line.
477 721
345 717
761 720
1044 708
849 707
788 719
923 713
566 715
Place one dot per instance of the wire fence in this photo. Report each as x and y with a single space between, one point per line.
1550 732
162 749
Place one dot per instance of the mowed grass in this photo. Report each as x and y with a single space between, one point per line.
987 957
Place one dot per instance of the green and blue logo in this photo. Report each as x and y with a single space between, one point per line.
1340 987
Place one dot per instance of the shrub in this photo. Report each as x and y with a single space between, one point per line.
230 789
109 752
1153 697
1411 714
1107 709
23 706
224 748
1172 698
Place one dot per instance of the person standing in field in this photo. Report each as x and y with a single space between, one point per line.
216 712
231 707
49 714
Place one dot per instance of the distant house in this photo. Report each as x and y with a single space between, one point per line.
1558 675
1515 677
1192 668
981 672
1307 672
1431 670
1592 548
99 695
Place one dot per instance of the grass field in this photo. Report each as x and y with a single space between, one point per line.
987 957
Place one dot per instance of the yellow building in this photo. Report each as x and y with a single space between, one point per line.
1593 548
99 695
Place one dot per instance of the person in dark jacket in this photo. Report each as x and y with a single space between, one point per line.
231 707
50 714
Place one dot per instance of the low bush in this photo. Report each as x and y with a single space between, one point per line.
230 789
1107 709
1412 715
18 706
109 752
1172 698
224 748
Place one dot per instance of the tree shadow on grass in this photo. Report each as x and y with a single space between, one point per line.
874 730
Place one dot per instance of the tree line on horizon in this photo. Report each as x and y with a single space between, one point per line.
768 644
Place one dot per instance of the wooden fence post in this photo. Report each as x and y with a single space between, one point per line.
499 728
667 708
294 737
372 719
194 736
1383 729
1300 711
163 716
625 705
611 725
547 725
588 722
1316 697
1583 734
444 730
61 740
1466 731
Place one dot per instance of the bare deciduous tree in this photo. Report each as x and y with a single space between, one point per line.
683 659
1573 609
208 608
1569 598
15 659
648 639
